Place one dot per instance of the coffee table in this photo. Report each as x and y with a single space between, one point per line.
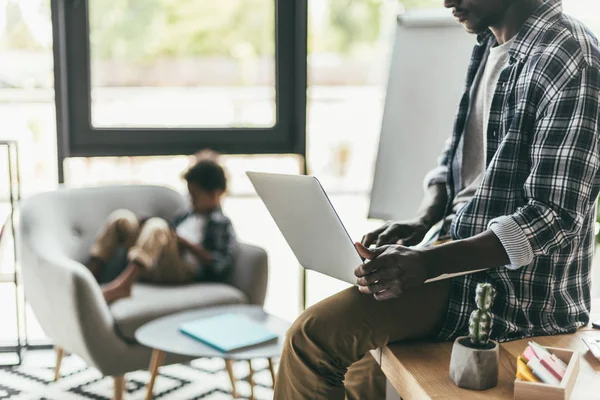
162 336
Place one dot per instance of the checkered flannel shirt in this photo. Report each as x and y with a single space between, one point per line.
541 182
220 240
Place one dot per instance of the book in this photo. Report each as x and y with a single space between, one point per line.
228 332
556 369
554 364
549 361
528 354
524 373
539 351
542 373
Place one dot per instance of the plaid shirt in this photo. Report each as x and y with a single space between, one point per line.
219 239
541 183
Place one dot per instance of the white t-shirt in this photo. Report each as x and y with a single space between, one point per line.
474 146
192 230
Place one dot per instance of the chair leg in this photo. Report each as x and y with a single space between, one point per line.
119 387
157 359
59 356
229 366
272 369
251 380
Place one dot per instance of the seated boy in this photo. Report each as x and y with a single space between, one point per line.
197 245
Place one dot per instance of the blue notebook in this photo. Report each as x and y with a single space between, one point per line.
228 332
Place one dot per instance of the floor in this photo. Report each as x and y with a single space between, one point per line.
201 379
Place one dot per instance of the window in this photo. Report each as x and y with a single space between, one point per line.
349 42
28 115
182 63
172 76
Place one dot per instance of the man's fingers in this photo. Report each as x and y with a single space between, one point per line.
368 239
375 288
367 253
412 240
384 239
364 269
371 237
368 268
364 252
386 295
384 274
389 236
375 262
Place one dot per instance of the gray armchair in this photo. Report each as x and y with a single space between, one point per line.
56 231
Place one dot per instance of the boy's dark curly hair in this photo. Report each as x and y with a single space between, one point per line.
208 175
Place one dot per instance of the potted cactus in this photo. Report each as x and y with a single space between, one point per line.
474 360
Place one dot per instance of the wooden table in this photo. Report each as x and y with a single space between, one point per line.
420 371
163 337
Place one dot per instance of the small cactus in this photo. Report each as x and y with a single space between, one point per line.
480 323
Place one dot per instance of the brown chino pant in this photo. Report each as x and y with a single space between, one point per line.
152 245
326 352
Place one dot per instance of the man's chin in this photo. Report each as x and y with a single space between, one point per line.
474 28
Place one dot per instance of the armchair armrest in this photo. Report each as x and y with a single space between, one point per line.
63 294
250 272
70 308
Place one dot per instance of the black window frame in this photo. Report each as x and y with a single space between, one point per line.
78 138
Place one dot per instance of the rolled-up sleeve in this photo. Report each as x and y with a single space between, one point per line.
515 243
565 161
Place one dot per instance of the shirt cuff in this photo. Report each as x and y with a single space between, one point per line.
435 176
513 239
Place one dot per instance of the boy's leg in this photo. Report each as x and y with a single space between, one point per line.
120 287
155 239
336 333
121 229
157 250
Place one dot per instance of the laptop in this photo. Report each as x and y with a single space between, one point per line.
310 225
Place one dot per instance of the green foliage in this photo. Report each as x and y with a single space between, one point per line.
17 34
145 30
150 29
480 322
412 4
352 24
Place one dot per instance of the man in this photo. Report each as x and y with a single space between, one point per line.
515 192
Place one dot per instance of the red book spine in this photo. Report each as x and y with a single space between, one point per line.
551 368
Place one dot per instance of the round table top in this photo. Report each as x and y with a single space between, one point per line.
163 334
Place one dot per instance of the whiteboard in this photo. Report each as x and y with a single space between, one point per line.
427 78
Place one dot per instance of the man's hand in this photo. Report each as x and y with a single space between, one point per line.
391 270
412 232
407 233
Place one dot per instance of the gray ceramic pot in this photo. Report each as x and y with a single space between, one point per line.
472 368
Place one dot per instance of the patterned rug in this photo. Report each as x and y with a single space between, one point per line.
201 379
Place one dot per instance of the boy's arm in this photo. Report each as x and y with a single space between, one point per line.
218 251
223 250
203 255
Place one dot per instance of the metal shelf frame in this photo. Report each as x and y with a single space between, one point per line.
14 192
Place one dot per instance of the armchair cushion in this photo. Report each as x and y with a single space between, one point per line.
149 302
